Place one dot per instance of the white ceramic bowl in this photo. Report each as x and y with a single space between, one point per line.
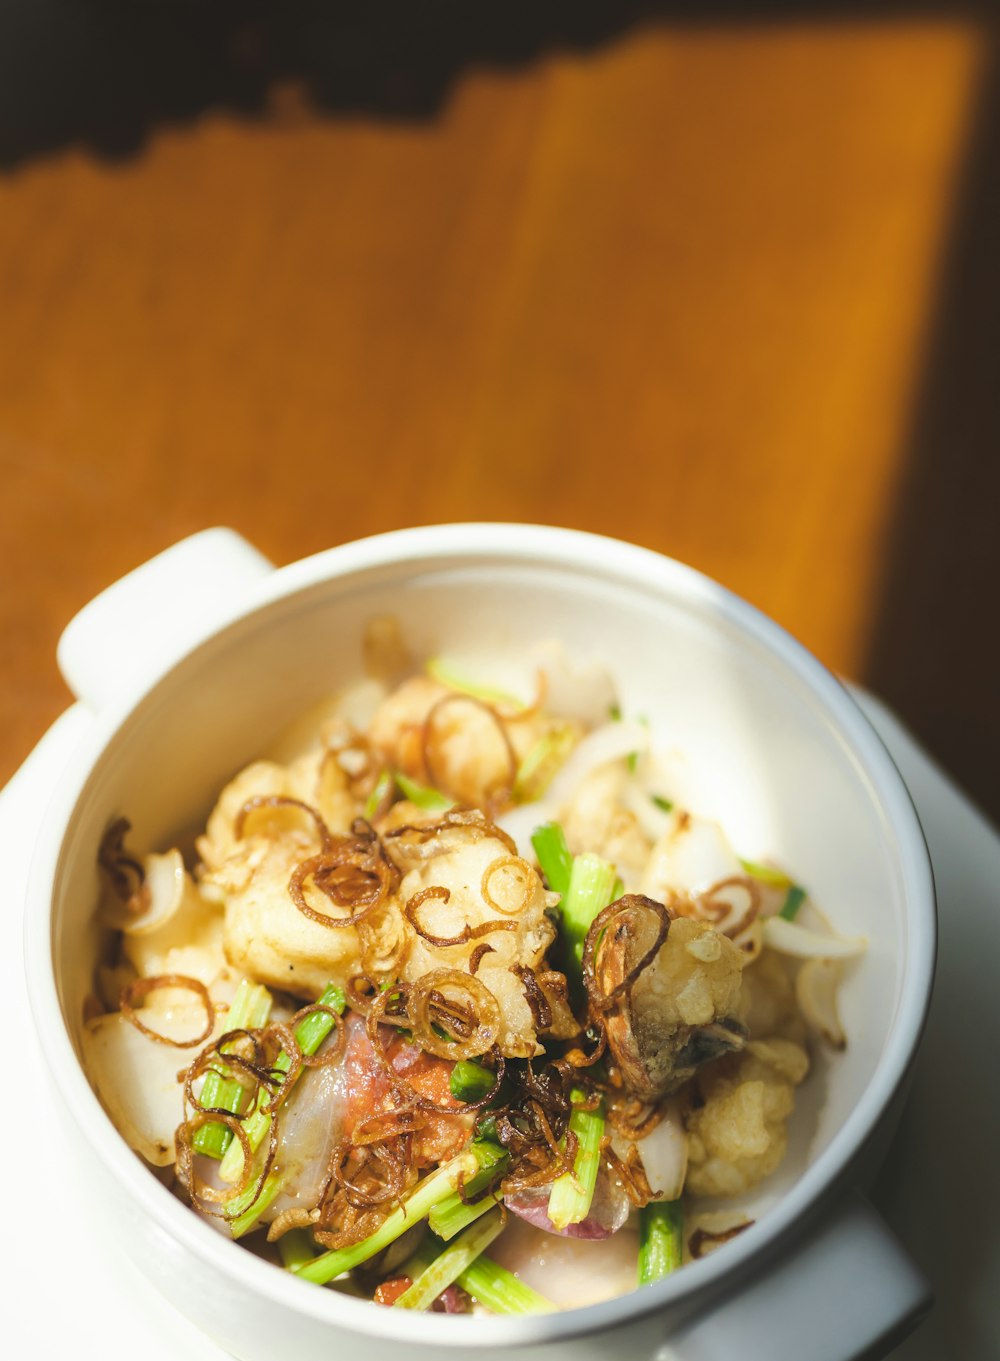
194 662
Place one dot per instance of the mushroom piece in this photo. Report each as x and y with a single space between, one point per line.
668 989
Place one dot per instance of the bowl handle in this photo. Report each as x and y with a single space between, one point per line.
846 1291
132 632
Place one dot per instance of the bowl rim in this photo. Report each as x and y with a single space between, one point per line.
645 571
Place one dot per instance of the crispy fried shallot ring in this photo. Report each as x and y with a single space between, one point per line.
709 906
185 1156
469 1033
140 988
527 876
608 926
353 872
476 957
232 1065
467 932
499 790
261 801
126 874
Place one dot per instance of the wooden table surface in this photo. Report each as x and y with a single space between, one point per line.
692 288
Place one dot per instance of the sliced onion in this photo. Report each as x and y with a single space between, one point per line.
519 823
789 938
816 993
664 1154
585 693
136 1078
653 821
161 895
612 742
608 1211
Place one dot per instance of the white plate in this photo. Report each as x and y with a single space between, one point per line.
68 1288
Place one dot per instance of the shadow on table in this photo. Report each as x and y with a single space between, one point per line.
935 655
105 73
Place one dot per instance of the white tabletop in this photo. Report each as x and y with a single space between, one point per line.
67 1289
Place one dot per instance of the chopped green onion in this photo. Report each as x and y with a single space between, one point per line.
249 1010
441 670
794 899
249 1213
296 1249
615 713
470 1081
379 794
452 1214
664 805
572 1193
549 842
431 800
767 874
592 885
486 1130
499 1290
425 1195
632 760
537 771
661 1240
450 1264
310 1033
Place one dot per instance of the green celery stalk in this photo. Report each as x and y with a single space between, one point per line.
572 1193
249 1010
431 800
549 842
245 1211
417 1205
591 888
310 1033
453 1213
498 1290
450 1264
794 899
661 1239
469 1081
296 1248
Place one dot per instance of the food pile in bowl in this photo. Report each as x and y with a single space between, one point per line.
456 994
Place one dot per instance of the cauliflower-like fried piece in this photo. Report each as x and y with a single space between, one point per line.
739 1136
596 820
265 934
469 752
459 867
313 779
769 1007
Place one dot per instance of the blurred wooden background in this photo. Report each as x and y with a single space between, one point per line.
715 290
